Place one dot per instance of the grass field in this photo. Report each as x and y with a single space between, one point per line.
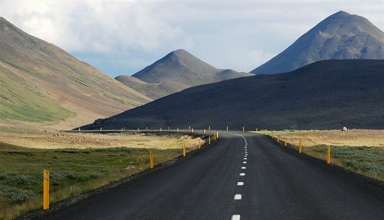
75 170
360 151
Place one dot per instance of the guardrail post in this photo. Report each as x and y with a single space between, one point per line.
227 128
329 155
209 128
243 129
204 131
192 130
209 139
45 189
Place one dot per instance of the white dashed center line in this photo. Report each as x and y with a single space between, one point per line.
245 158
237 197
235 217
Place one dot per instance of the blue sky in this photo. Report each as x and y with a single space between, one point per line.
123 36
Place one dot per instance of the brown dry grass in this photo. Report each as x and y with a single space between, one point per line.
352 138
57 140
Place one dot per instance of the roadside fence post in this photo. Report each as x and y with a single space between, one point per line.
151 160
184 151
301 147
45 189
329 155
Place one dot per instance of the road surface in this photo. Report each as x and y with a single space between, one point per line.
241 177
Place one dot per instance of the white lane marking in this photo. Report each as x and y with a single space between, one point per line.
243 168
237 197
240 183
235 217
244 162
242 174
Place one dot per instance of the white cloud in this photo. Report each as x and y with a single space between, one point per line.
122 36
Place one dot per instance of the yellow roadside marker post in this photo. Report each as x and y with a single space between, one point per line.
184 151
217 135
45 189
300 147
151 160
329 155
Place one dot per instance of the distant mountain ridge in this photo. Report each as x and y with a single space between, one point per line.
42 83
323 95
176 71
340 36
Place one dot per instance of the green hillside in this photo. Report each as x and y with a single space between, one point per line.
42 83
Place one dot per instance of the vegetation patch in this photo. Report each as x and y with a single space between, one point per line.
72 172
359 151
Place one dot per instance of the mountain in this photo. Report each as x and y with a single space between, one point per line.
324 95
42 83
174 72
340 36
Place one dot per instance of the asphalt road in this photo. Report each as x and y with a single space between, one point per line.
239 178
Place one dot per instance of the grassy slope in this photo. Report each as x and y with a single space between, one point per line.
18 101
41 82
